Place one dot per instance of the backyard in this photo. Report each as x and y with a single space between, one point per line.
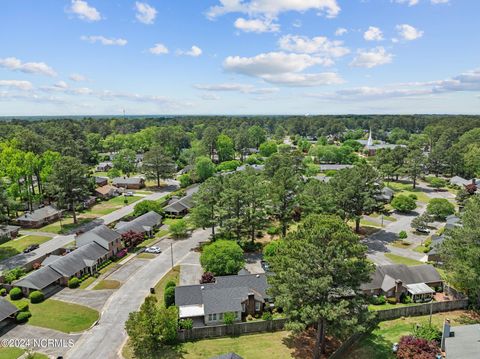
15 246
406 189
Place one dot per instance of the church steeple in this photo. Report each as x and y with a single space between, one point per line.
370 139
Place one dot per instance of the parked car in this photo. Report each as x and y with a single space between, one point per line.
128 194
154 250
423 230
265 266
31 247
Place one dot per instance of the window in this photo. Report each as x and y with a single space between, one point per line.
214 316
209 317
220 316
257 306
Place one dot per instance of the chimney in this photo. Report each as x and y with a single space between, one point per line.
446 332
398 289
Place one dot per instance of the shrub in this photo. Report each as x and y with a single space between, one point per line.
186 324
411 347
222 257
440 208
427 332
207 277
13 274
413 196
3 292
179 228
228 166
37 296
267 316
22 317
169 296
392 300
22 306
407 299
147 206
170 283
404 203
185 180
228 318
438 182
271 249
254 159
380 300
73 282
16 293
402 235
273 230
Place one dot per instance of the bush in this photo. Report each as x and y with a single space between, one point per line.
413 196
404 203
22 306
254 159
13 274
267 316
406 299
186 324
3 292
228 318
22 317
392 300
185 180
169 296
427 332
273 230
147 206
207 277
380 300
170 283
440 208
438 182
179 228
402 235
270 250
411 347
222 257
228 166
73 282
16 293
37 296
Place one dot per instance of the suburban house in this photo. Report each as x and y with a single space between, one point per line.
178 207
453 222
387 194
206 304
462 182
330 167
146 223
396 280
433 255
8 232
106 192
101 181
461 342
129 182
104 166
103 236
39 217
89 201
7 311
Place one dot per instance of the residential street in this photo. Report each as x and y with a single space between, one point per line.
106 339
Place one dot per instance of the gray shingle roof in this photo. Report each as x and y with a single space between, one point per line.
327 167
6 230
184 203
39 279
465 344
127 180
78 259
408 275
6 309
98 234
140 224
224 300
39 214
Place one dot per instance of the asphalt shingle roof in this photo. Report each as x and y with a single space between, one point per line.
6 309
39 279
127 180
78 259
465 344
39 214
140 224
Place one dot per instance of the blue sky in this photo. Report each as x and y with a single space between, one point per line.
98 57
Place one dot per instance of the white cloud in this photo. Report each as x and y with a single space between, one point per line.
61 85
209 97
435 2
372 58
77 77
235 87
84 11
408 2
194 51
145 13
319 45
373 34
158 49
12 63
341 31
256 25
272 8
297 23
82 91
104 40
17 84
282 68
408 32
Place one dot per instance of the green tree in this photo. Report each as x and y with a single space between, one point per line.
204 168
437 182
179 228
460 252
316 277
413 166
257 135
124 161
440 208
209 140
206 213
421 221
404 204
268 148
147 206
222 258
69 182
472 160
225 148
158 165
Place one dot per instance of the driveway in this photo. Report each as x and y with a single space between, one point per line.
47 341
95 299
191 271
107 337
127 270
253 263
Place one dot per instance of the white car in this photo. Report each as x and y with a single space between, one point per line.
154 250
128 194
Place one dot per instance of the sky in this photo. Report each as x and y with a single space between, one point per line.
154 57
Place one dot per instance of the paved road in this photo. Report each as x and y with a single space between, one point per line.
105 339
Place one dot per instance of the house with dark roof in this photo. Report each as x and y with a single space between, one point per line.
103 236
39 217
104 166
106 192
7 311
396 280
146 224
101 181
129 182
178 207
461 342
8 232
206 304
453 222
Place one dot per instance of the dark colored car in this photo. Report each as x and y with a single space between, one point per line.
31 248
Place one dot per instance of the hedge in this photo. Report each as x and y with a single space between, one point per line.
22 317
22 306
170 283
16 293
37 296
169 296
73 282
3 292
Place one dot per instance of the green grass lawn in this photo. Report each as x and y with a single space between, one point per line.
61 316
66 225
421 249
146 255
253 346
11 353
378 344
400 243
173 274
406 189
107 207
150 241
402 260
385 306
170 221
87 282
13 247
107 284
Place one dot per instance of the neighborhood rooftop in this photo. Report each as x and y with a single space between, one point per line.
39 214
6 309
141 224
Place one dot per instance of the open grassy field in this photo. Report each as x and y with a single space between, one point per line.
402 260
253 346
61 316
16 246
378 344
407 189
400 243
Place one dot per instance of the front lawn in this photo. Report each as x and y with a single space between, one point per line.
111 205
146 255
385 306
150 241
402 260
65 226
407 190
61 316
173 274
87 282
252 346
400 243
14 353
13 247
107 284
378 344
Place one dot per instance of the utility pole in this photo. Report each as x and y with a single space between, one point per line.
171 252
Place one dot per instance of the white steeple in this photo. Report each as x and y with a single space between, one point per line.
370 140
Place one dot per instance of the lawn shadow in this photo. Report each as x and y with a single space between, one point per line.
303 344
371 347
